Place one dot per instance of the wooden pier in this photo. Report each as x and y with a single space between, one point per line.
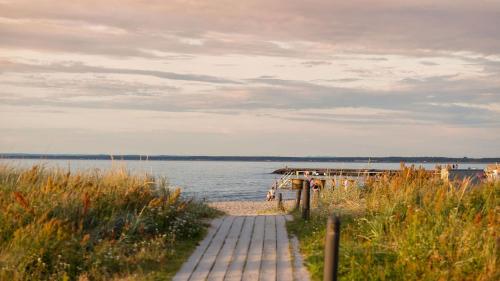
294 177
364 172
333 172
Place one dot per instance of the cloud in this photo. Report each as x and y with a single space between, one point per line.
311 27
444 99
329 65
315 63
75 67
428 63
198 133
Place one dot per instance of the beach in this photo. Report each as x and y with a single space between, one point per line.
250 208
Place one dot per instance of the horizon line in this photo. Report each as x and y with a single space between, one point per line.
156 157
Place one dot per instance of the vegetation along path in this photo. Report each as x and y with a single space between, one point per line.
242 248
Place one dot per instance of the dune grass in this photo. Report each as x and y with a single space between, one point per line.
409 226
56 225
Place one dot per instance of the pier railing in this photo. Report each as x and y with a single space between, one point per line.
285 180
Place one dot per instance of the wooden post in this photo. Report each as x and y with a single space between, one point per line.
323 184
332 245
297 185
297 199
280 202
306 201
315 198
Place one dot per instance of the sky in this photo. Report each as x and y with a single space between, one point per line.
251 77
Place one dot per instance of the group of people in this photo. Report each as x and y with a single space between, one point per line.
271 194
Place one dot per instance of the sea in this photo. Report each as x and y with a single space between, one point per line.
214 180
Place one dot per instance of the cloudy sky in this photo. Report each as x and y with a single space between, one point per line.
251 77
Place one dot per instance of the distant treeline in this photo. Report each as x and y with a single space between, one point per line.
392 159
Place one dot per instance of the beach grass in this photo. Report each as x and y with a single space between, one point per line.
408 226
94 225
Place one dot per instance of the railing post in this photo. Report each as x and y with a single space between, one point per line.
332 245
306 201
297 199
280 202
314 198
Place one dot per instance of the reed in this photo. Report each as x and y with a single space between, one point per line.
409 226
93 225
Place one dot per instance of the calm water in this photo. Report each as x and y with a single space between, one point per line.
213 180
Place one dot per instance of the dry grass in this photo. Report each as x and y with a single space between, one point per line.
56 225
409 226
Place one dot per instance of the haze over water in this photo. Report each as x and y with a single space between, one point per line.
213 180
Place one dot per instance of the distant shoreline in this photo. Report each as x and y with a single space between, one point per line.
391 159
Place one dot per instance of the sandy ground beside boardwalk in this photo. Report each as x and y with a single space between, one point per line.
249 208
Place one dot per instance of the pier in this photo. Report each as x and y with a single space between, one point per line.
293 177
333 172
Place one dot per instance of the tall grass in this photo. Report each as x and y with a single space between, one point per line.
409 226
57 225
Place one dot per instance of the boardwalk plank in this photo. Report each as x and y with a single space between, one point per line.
268 270
207 261
252 266
284 261
188 267
235 270
226 254
245 248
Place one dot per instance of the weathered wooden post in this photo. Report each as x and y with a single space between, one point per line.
332 245
280 202
320 184
297 185
297 199
306 201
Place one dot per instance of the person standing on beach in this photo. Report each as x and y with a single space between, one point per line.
271 194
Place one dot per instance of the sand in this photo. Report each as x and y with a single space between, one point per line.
251 208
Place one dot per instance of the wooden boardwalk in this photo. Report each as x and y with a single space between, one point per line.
241 248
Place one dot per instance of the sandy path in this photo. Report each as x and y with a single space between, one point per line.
250 208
